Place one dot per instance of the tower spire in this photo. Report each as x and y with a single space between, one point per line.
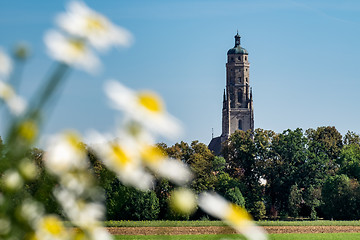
237 39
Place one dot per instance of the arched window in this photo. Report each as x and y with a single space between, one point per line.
240 127
245 58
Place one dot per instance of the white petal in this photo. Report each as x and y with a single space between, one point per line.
17 105
175 170
61 49
213 204
125 100
5 64
76 22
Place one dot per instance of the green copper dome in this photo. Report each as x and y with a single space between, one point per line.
237 50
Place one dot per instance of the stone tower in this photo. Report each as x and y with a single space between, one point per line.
237 111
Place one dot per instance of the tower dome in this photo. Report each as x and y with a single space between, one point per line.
237 49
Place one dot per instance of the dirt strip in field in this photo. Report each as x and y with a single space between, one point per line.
226 230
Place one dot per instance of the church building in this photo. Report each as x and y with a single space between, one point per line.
237 111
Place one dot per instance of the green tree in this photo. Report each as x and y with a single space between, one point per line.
219 164
351 138
200 160
234 195
312 200
349 161
240 154
259 210
340 196
325 143
127 203
286 168
295 200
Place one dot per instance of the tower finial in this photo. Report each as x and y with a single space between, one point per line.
237 38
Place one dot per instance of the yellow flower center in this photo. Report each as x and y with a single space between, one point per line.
152 155
95 24
74 141
52 225
238 216
31 236
121 159
28 130
79 235
77 46
151 102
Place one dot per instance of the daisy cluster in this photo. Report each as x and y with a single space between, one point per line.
130 151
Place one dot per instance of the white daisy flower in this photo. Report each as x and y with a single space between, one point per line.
82 21
122 158
50 227
64 154
5 64
235 216
172 169
83 214
16 104
145 107
72 51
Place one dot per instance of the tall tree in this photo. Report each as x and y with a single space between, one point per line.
351 138
240 153
349 161
341 197
286 168
326 143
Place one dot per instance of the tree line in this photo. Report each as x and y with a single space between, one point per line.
296 173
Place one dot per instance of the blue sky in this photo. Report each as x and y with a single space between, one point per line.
304 58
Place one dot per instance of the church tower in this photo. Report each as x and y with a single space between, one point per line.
237 112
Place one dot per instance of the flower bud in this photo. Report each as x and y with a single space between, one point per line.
12 180
183 201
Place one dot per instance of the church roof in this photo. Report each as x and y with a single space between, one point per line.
237 50
215 145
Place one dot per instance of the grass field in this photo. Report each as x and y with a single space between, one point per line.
219 223
287 236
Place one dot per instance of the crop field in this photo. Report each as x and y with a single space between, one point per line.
193 230
219 223
292 236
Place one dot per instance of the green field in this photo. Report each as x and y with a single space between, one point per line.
286 236
219 223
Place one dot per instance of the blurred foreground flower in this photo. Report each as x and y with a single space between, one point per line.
172 169
121 157
16 104
71 51
83 22
5 65
65 154
235 216
183 201
145 107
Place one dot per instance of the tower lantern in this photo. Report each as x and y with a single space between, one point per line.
237 39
